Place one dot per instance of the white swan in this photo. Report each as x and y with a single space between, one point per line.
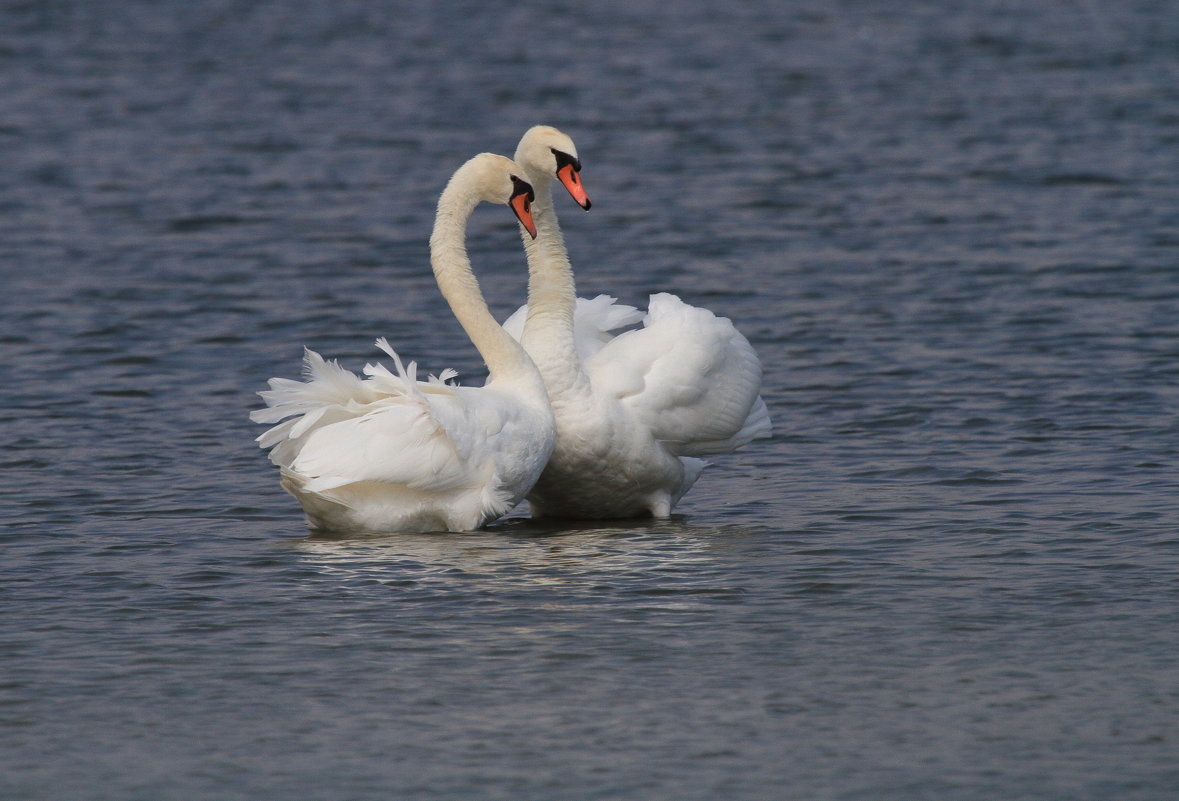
633 411
389 453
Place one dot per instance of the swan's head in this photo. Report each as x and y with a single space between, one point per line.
545 151
498 179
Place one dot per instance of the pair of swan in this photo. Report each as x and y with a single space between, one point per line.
582 422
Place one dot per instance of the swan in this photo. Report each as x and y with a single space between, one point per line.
389 453
634 411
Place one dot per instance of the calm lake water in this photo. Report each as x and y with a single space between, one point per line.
951 229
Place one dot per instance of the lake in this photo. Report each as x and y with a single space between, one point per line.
950 229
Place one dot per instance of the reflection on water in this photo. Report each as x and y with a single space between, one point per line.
526 552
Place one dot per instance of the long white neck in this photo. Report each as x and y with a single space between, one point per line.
552 297
506 360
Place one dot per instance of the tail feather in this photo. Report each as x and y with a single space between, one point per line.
329 395
304 423
272 436
692 470
406 381
326 383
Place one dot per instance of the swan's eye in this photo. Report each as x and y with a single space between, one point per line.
565 160
521 187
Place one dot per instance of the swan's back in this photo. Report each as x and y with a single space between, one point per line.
390 453
594 323
689 376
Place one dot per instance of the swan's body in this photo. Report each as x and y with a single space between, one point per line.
389 453
634 411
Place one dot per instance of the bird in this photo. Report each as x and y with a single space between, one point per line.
389 453
635 410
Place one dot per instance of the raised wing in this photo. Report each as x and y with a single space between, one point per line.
388 428
688 375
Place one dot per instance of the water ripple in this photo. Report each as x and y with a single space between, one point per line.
949 229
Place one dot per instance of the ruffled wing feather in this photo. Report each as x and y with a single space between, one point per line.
688 375
387 428
594 322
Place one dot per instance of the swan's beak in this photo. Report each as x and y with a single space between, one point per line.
521 203
570 178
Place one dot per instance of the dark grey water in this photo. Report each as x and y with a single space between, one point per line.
950 228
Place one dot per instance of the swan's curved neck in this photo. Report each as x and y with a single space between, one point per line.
552 296
504 357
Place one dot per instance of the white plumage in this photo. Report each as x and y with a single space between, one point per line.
390 453
688 376
632 410
594 322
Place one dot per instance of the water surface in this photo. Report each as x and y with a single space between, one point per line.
950 230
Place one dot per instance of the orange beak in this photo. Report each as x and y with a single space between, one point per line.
521 204
570 178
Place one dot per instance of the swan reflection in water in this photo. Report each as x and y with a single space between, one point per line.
522 552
